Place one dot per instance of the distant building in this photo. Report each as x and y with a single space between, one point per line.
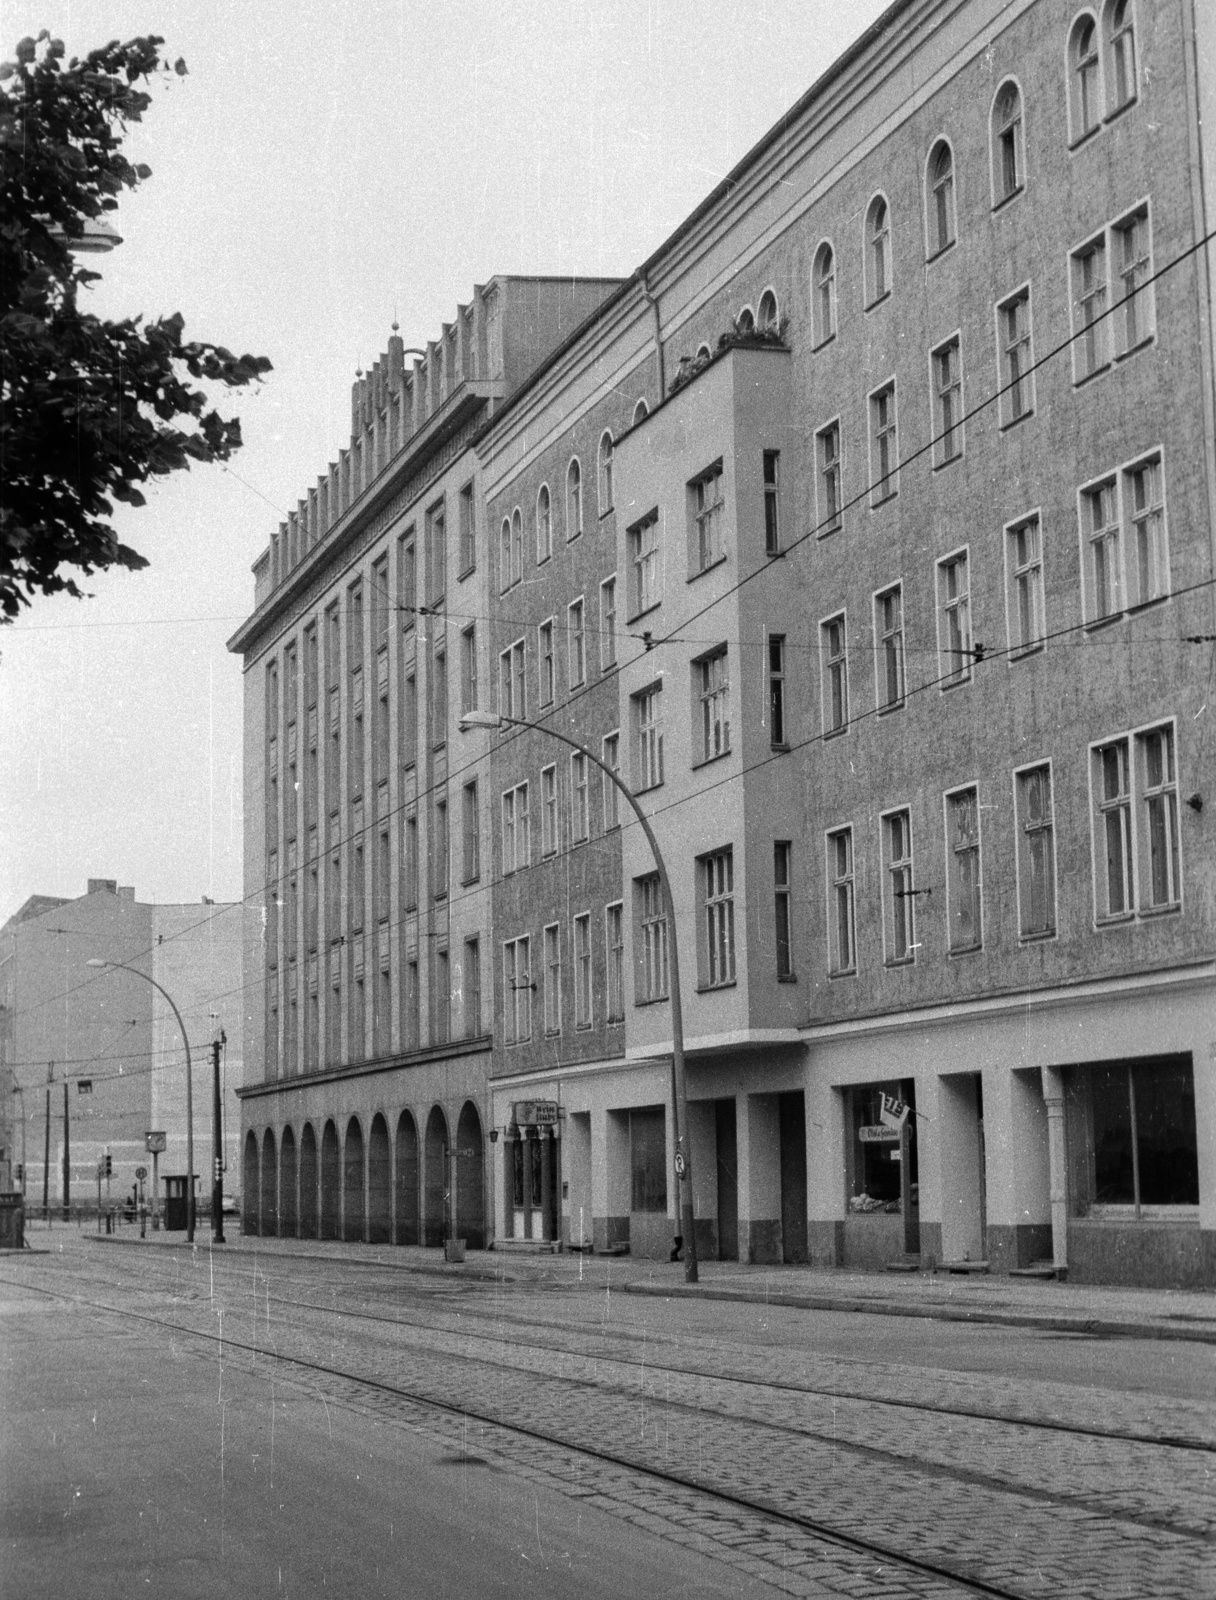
868 530
112 1040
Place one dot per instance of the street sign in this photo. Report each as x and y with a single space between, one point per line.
536 1113
141 1173
877 1133
154 1142
681 1164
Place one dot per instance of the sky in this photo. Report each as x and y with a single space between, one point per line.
322 171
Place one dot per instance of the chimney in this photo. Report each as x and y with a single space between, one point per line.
103 886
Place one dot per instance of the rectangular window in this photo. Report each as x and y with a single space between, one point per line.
512 699
776 690
1125 548
947 402
963 869
1131 252
1102 551
439 700
1144 519
827 456
468 531
648 1159
889 655
437 552
712 681
1091 345
884 458
516 837
548 810
648 726
1160 885
407 578
719 900
1112 788
835 678
472 988
652 939
645 582
468 670
1137 1123
1024 603
553 979
1016 357
1036 852
614 940
409 720
409 863
470 831
443 996
842 943
517 991
546 663
580 820
783 910
772 504
582 970
898 917
441 849
611 794
954 620
576 632
413 1006
705 505
607 624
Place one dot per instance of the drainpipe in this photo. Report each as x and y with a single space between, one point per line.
653 303
1053 1094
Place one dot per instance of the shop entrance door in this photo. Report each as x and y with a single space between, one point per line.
728 1180
792 1115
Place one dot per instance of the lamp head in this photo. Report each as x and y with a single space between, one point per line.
96 961
480 719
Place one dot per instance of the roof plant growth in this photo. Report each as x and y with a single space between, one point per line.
89 409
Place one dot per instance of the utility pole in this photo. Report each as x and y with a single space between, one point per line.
67 1158
46 1152
217 1143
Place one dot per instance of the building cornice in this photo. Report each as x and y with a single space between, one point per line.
368 1069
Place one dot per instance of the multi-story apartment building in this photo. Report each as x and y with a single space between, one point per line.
867 530
103 1049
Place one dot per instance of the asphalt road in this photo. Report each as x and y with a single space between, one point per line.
306 1428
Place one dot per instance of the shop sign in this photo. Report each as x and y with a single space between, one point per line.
878 1133
892 1113
536 1113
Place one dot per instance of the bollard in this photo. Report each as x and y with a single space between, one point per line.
143 1223
109 1222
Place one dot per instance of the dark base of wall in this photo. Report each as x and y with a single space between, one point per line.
1009 1245
608 1232
707 1238
930 1242
1150 1255
872 1241
764 1241
825 1243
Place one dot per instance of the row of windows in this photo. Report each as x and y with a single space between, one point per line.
522 978
1136 854
517 807
511 537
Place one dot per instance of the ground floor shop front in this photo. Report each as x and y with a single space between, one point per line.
1073 1127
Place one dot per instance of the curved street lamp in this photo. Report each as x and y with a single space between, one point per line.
96 961
492 719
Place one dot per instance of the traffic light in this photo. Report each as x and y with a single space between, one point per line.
108 1169
20 1172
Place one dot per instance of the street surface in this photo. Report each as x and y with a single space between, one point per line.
266 1420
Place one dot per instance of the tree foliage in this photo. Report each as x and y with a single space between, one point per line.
89 409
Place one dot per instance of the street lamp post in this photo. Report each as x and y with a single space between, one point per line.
492 719
123 967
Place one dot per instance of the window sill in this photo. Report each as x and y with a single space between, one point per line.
1125 1211
553 1033
708 761
900 961
1119 111
940 466
651 1000
645 611
878 300
1095 624
708 567
465 882
583 839
942 250
1084 138
828 338
779 747
571 537
713 988
578 684
614 1022
1117 919
843 972
1170 909
883 499
1134 349
1019 652
1014 422
1088 377
582 1027
955 683
603 515
965 950
649 788
836 733
787 977
1008 199
832 527
467 573
891 707
541 560
1044 936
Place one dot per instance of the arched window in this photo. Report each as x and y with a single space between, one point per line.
605 472
1120 55
1008 157
745 322
517 545
640 412
823 294
766 316
941 197
1085 94
878 250
504 555
574 499
544 524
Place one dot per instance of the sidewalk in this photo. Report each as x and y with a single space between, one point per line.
1101 1310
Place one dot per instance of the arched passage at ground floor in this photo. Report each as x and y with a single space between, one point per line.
331 1183
435 1177
407 1180
269 1218
288 1176
379 1183
470 1185
252 1185
352 1183
308 1183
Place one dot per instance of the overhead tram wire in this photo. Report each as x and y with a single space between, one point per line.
676 636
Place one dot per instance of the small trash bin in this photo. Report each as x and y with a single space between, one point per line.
12 1220
453 1249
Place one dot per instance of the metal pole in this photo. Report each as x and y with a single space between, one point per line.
67 1158
683 1139
46 1150
217 1147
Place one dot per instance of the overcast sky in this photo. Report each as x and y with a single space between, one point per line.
321 170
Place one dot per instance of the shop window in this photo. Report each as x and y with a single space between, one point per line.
874 1153
1132 1137
648 1159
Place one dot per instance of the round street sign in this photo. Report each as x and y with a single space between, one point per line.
681 1164
141 1173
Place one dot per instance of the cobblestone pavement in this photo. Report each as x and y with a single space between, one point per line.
876 1451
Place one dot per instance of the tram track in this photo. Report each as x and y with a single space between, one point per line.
868 1397
826 1533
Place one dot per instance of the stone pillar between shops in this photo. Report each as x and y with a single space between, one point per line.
759 1147
1018 1169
